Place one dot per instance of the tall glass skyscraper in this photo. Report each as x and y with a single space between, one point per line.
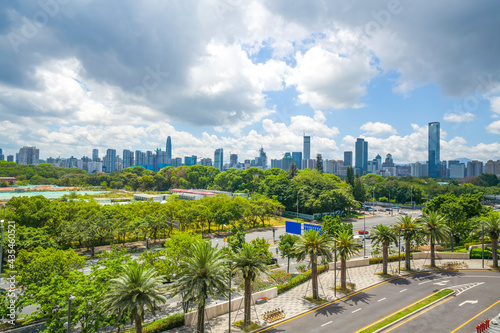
169 148
307 147
348 158
434 149
361 162
219 159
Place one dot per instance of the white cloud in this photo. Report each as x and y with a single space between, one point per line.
495 104
377 129
494 127
459 117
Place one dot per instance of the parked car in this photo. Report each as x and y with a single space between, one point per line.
365 232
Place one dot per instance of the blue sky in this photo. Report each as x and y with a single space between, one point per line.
78 75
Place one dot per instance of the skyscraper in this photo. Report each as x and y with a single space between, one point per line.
287 161
110 160
361 163
263 158
307 147
219 159
233 160
434 150
169 148
297 159
2 157
28 155
348 158
95 155
128 158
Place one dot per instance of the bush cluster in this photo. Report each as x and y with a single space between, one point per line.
476 253
299 279
176 320
374 261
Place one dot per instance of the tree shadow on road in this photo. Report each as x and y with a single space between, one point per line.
329 310
399 282
361 297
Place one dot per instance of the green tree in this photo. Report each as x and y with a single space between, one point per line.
385 236
237 238
358 191
492 225
136 289
410 228
435 229
333 225
350 176
262 245
286 247
313 244
319 163
251 263
292 171
346 247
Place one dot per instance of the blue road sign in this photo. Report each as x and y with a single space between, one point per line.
293 227
312 226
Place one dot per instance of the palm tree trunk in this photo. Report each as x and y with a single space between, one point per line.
433 255
288 267
248 299
385 250
407 254
314 276
494 253
138 323
200 326
343 271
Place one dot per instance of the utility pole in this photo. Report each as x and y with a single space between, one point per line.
335 271
482 242
159 223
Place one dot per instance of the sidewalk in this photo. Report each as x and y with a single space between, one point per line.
293 303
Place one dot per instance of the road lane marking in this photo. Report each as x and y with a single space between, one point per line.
403 290
326 323
356 310
469 302
442 283
480 313
421 313
380 300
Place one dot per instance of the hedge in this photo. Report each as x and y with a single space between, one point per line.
161 325
299 279
476 253
393 258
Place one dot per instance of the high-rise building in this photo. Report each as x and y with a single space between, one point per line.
10 158
2 157
95 155
28 156
457 170
434 150
110 160
361 162
94 166
307 147
297 159
219 159
277 164
389 162
287 161
128 158
493 167
348 158
169 148
206 162
263 158
233 160
474 168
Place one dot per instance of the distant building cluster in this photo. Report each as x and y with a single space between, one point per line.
158 159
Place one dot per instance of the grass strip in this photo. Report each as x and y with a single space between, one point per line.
408 310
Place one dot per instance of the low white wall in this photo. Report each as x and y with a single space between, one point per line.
441 255
221 308
351 263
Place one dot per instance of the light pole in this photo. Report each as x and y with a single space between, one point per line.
411 196
364 232
68 323
159 223
373 202
399 246
335 271
482 242
230 280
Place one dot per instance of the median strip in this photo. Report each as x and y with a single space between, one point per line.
407 311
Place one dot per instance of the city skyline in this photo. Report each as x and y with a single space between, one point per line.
250 74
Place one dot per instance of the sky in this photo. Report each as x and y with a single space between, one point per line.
82 74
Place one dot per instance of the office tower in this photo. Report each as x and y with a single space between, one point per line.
95 155
361 163
2 157
94 166
188 160
456 170
128 158
307 147
10 158
28 155
474 168
169 148
263 158
348 158
434 150
219 159
287 161
297 159
206 162
389 162
110 160
379 161
277 164
233 160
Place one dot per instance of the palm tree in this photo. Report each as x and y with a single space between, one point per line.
384 236
492 224
202 273
312 244
251 262
410 228
136 288
347 246
435 229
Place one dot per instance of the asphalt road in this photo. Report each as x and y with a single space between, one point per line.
367 306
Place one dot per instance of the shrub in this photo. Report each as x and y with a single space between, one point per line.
476 253
162 325
279 277
299 279
389 259
301 268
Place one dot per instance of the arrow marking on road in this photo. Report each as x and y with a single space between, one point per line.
469 302
380 300
403 290
326 323
441 283
356 310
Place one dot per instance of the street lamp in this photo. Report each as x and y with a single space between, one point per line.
411 197
482 242
364 232
298 204
68 323
335 271
399 246
230 280
373 202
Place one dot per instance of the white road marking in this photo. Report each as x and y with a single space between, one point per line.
425 282
326 323
442 283
380 300
403 290
357 310
470 302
